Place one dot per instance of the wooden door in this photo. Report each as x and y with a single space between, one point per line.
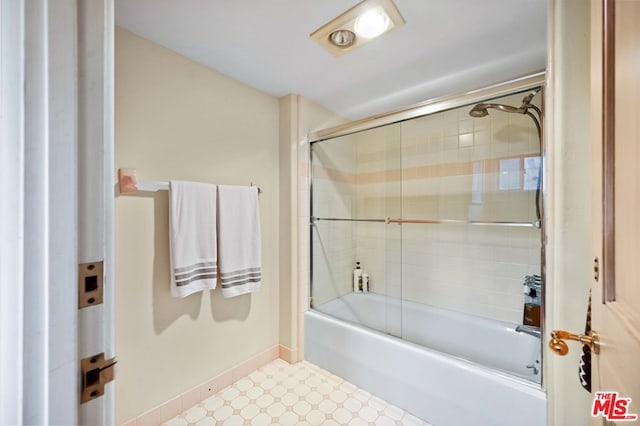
615 129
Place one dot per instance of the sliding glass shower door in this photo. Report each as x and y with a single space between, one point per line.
430 229
356 255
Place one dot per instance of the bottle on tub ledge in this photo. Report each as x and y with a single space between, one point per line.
365 282
531 314
357 279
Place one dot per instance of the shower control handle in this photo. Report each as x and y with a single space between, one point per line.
558 345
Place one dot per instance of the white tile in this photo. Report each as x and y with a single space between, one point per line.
261 419
244 384
308 401
255 392
239 402
342 416
289 418
250 411
338 396
385 421
316 417
314 397
178 421
195 414
368 413
362 395
352 404
265 401
327 406
465 140
276 410
207 421
268 384
302 390
234 420
223 413
213 403
289 399
230 393
302 408
257 376
394 412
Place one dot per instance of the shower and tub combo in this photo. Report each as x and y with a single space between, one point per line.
442 205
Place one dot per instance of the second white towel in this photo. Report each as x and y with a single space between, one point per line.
239 240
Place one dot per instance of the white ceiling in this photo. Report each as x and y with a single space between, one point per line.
446 46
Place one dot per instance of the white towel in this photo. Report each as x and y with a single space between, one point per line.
239 240
192 237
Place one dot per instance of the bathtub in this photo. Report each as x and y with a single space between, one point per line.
473 383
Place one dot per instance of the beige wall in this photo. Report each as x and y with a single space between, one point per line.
298 117
288 107
176 119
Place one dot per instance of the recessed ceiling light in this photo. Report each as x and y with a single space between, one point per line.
358 25
342 38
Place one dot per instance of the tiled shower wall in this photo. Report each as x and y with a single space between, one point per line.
475 269
444 166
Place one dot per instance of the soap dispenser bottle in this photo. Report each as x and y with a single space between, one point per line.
357 279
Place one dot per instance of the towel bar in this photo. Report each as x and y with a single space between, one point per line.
129 184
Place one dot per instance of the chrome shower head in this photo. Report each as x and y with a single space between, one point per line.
481 110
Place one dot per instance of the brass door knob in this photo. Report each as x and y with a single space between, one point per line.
558 345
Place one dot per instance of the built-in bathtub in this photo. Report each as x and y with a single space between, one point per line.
449 368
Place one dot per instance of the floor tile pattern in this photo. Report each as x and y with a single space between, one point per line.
293 394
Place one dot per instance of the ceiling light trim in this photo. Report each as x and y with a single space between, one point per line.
347 20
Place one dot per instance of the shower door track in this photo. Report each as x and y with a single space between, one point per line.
535 224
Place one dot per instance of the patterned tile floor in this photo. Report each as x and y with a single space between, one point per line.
293 394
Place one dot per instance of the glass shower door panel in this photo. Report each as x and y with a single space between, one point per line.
465 277
333 192
378 244
355 274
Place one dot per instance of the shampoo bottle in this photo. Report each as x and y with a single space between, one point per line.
365 282
357 278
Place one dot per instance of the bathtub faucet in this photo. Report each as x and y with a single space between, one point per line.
529 329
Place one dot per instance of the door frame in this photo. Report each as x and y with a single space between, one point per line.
568 205
96 188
